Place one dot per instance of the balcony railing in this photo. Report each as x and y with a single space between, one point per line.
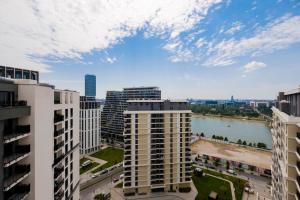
298 150
59 145
20 131
21 172
59 195
57 185
58 132
21 151
58 171
298 135
13 103
58 118
58 159
20 192
298 180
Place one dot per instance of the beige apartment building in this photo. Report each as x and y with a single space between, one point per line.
157 154
286 146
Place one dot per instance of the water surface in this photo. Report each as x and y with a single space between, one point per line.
233 129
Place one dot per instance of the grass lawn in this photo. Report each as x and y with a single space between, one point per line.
111 155
237 182
206 184
119 185
87 168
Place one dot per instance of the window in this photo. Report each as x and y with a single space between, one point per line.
71 112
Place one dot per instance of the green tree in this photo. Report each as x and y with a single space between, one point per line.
244 143
99 197
226 139
239 141
202 134
213 137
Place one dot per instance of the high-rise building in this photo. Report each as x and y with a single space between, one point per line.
286 146
112 116
39 150
157 154
90 85
90 125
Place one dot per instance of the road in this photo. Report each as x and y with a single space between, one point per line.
104 186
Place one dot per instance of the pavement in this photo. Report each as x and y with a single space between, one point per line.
103 186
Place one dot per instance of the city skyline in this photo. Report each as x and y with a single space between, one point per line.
190 49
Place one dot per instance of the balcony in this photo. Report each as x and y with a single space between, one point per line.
57 185
21 152
59 195
20 132
298 180
58 171
20 192
298 151
59 145
58 118
14 109
58 159
59 132
21 172
298 135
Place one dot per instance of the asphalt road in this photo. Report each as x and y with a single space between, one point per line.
103 186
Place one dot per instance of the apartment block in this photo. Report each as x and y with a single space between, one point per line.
40 151
116 103
286 146
90 125
157 154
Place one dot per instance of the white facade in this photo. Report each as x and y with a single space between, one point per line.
90 127
52 178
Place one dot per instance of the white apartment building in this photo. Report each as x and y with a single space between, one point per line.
90 125
41 149
157 154
286 147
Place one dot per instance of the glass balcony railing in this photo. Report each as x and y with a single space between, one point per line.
58 171
298 135
59 195
59 145
13 103
21 171
58 184
20 130
20 151
58 118
20 192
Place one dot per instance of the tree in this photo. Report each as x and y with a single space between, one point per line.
244 143
197 134
239 141
213 137
99 197
250 144
226 139
261 145
202 134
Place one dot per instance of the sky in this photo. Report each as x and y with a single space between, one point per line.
209 49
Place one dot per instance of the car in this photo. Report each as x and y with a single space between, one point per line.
104 172
121 176
86 163
231 171
95 175
120 164
115 179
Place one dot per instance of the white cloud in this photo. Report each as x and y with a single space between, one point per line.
31 31
277 35
200 42
111 60
254 65
237 26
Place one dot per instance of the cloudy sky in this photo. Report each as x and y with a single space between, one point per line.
189 48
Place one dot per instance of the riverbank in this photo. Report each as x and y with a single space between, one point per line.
242 154
257 119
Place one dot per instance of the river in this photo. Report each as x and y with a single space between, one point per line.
233 129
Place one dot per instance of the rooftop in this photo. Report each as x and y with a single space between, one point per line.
294 91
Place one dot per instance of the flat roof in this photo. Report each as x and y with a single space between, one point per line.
294 91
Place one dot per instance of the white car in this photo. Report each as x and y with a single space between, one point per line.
121 176
86 163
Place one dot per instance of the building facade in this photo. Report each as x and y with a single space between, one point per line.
90 125
90 85
157 154
40 153
115 104
286 146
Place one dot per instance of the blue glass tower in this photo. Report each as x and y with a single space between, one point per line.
90 85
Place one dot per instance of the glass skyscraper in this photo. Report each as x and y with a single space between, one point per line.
90 85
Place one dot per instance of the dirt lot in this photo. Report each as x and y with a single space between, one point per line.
245 155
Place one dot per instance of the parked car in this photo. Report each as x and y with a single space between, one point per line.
104 172
121 176
115 179
95 175
86 163
231 171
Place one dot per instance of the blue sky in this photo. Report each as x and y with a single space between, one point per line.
190 49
